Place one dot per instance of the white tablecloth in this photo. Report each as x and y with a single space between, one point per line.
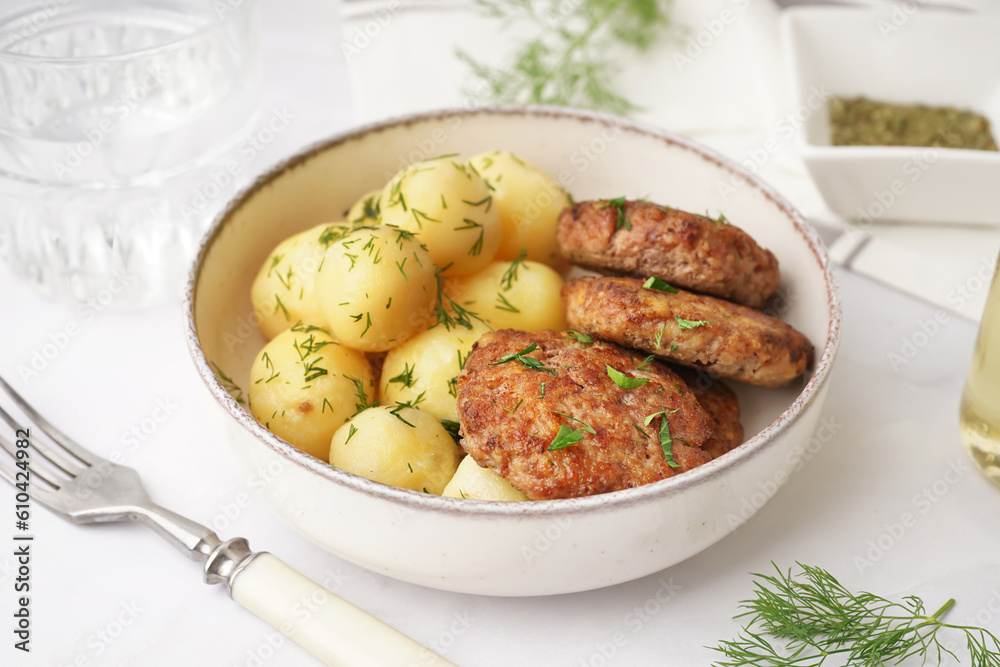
890 503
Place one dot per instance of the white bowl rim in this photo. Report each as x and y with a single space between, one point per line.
615 500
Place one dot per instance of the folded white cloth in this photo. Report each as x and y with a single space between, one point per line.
718 80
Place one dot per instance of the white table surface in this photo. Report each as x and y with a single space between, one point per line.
118 595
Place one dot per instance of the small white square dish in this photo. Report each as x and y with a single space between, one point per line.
937 58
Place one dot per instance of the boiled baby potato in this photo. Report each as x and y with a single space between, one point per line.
376 288
283 292
529 202
475 483
365 210
451 210
304 386
513 295
422 371
398 446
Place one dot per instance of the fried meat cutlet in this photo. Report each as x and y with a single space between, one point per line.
722 407
511 412
684 249
702 332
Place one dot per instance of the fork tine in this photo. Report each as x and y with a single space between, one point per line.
44 496
37 471
85 457
51 455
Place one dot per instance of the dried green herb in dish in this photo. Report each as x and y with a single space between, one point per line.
864 122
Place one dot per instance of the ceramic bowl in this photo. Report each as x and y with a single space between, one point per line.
907 55
527 548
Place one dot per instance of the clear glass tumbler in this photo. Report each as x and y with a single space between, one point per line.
112 113
979 415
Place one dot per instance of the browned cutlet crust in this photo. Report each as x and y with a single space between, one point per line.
722 407
738 342
684 249
507 424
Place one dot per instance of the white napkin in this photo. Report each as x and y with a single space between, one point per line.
719 80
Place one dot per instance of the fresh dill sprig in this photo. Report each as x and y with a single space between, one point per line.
452 427
453 382
510 275
413 402
395 413
815 617
477 247
275 260
228 384
269 365
451 313
406 377
361 396
503 304
659 337
526 361
575 53
333 233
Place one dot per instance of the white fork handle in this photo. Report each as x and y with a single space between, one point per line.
332 629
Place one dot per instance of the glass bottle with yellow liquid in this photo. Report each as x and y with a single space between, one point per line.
980 412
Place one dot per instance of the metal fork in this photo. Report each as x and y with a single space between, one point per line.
84 488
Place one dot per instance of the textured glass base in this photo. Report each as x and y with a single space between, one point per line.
118 119
129 247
